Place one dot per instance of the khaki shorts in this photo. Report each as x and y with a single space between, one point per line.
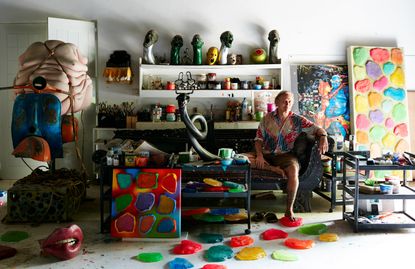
282 160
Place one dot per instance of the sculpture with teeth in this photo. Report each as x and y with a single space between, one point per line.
63 243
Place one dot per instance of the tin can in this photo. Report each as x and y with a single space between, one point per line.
218 86
170 85
211 76
227 84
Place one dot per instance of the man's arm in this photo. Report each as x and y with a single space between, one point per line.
321 134
259 160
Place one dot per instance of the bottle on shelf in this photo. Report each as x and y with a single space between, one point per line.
339 142
352 145
115 160
245 111
109 156
156 113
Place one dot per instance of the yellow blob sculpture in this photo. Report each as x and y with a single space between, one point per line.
361 104
398 77
389 140
362 137
402 146
251 253
374 99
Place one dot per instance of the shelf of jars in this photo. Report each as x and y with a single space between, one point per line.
158 81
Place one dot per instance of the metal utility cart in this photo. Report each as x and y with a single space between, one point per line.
336 176
406 193
237 173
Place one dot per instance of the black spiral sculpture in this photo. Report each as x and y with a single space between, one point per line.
192 131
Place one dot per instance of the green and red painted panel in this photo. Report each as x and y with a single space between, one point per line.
146 203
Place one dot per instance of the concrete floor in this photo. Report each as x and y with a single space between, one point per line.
374 249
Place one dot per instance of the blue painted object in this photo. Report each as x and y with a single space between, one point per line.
38 115
180 263
224 211
166 225
145 201
396 94
388 68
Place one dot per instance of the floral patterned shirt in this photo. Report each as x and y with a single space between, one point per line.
279 136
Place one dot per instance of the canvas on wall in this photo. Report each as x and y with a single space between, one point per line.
323 95
146 203
379 99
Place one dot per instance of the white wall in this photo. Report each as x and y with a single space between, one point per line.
310 31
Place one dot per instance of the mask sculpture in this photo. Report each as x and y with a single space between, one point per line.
197 44
226 39
150 39
36 127
212 55
63 243
176 45
273 38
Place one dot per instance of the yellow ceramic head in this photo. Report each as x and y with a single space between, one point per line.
212 55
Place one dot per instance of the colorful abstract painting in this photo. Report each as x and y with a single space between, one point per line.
379 99
323 95
146 203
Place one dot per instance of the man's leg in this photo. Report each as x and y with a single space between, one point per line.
267 166
291 172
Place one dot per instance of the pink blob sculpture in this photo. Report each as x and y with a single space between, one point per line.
362 122
379 55
287 222
363 85
298 243
187 247
401 129
240 241
389 123
380 84
63 67
272 234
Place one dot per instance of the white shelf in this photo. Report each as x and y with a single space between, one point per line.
202 93
247 72
209 68
179 125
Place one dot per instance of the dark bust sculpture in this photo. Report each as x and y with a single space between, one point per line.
197 44
273 38
226 39
176 45
150 39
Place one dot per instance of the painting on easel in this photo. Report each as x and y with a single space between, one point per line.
379 101
146 203
323 95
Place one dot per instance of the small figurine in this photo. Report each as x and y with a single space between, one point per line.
212 55
149 41
273 38
176 44
186 59
226 38
232 58
197 44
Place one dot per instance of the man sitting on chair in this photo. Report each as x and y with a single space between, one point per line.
274 143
